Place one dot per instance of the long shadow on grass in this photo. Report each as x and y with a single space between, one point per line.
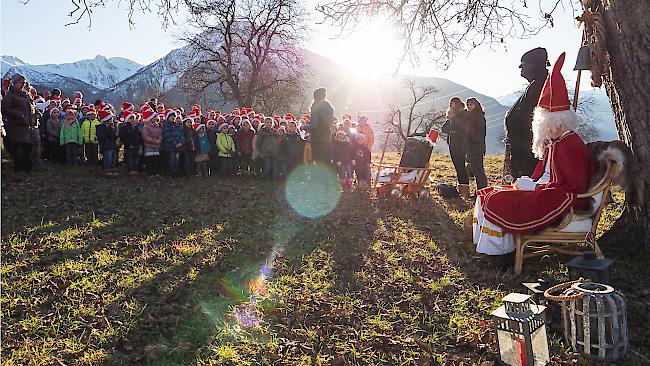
202 311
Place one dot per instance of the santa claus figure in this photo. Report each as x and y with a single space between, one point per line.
536 202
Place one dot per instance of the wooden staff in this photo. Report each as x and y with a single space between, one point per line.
577 90
381 159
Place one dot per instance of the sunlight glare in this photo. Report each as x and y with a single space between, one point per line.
372 50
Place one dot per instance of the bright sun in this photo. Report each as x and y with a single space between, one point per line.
372 50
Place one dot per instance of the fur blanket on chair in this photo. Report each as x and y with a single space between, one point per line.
629 177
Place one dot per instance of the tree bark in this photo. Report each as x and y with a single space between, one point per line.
628 87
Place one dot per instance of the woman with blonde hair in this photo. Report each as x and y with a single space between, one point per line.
455 130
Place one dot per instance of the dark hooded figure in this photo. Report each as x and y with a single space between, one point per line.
519 158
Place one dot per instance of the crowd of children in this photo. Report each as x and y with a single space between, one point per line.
156 140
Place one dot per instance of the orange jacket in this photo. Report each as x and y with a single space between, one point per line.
370 136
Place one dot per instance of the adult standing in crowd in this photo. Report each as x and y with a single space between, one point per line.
455 130
519 159
475 140
18 112
322 116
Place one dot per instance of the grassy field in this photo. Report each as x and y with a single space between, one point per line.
217 271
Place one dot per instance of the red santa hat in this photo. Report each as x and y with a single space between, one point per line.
160 105
129 115
197 126
188 118
78 94
77 101
307 117
222 126
126 106
196 107
148 115
168 112
553 109
104 115
65 100
145 107
289 117
91 110
346 116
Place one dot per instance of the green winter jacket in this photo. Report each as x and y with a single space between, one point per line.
70 134
89 131
225 143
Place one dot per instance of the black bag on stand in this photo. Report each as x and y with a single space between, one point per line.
417 152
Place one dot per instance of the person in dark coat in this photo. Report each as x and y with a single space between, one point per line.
519 159
133 143
292 147
211 133
475 140
322 116
189 148
244 144
455 130
18 112
107 141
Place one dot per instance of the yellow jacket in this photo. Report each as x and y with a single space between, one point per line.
89 130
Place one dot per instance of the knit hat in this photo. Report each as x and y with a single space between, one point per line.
104 115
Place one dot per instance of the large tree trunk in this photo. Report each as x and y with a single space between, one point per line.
628 86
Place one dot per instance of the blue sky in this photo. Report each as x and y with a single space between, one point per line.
36 33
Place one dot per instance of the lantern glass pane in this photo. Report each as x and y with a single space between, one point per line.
510 348
540 347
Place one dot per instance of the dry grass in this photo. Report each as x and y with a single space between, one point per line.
151 271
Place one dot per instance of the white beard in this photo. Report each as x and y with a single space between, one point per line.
545 123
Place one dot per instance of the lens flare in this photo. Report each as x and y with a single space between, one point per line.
312 190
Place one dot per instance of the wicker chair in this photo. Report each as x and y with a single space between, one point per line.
572 231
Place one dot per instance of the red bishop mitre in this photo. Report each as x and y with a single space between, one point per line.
554 95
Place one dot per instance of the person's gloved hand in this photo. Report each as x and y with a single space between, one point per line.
525 184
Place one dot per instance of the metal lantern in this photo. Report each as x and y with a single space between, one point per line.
595 322
521 331
588 266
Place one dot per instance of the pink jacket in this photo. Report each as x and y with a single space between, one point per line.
152 136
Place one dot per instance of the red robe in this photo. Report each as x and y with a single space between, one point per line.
521 212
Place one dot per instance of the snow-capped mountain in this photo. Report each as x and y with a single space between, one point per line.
44 79
100 72
158 77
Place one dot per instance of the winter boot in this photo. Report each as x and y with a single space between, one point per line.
463 189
